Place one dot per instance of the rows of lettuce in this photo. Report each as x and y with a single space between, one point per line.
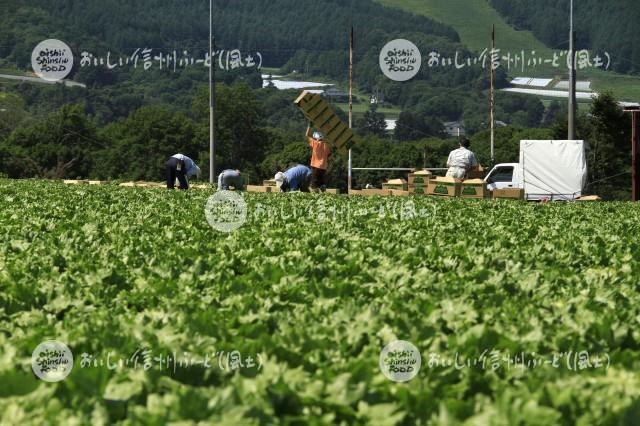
308 291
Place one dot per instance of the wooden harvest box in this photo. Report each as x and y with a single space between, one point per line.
318 111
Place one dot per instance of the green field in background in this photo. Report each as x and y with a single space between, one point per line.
472 19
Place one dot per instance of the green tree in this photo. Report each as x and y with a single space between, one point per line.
142 143
414 126
553 113
372 123
62 145
606 131
241 141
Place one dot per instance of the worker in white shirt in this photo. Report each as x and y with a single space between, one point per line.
461 160
180 166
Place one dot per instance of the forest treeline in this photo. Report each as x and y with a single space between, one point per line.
126 122
601 26
69 143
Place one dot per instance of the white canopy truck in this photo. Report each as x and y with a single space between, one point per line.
548 170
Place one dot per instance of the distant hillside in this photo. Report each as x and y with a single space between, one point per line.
472 19
294 35
276 28
603 26
309 37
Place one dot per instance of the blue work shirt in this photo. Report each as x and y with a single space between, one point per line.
189 165
296 176
229 178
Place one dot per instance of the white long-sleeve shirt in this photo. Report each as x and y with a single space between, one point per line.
462 158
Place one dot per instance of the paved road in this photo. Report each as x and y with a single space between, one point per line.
68 83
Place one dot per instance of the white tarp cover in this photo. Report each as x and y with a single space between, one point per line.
553 168
528 81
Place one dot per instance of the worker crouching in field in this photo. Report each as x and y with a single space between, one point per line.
180 166
319 159
230 178
296 178
461 160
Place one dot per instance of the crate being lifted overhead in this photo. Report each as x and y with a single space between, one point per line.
318 111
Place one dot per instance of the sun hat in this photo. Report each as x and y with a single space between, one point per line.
279 178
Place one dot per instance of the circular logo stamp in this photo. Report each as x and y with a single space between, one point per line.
52 60
400 60
226 211
400 361
52 361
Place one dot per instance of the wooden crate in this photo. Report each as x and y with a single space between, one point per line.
259 188
508 193
477 173
418 190
375 191
474 188
589 198
318 111
420 178
443 186
397 184
149 184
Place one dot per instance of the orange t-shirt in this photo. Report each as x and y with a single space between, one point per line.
319 154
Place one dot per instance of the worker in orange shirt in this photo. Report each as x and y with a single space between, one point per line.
319 159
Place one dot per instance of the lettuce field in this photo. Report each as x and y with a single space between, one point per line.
523 314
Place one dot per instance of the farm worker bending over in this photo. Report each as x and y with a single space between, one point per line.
294 179
180 166
461 160
230 178
319 159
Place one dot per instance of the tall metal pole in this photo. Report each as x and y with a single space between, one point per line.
212 99
350 103
492 95
635 164
635 184
572 79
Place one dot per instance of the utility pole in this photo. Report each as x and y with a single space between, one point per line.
572 79
492 95
635 165
349 166
212 99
